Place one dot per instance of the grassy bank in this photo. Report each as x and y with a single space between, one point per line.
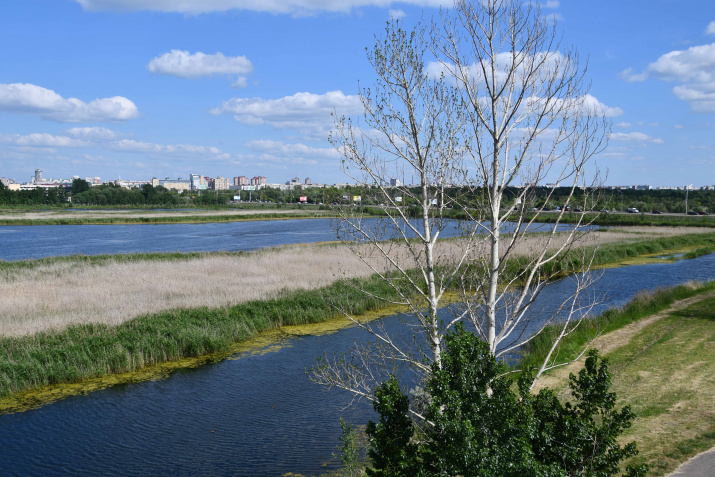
661 350
89 350
631 219
643 305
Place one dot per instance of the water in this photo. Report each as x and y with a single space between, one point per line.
37 241
266 416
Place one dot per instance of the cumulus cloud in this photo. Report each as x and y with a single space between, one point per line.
304 112
31 99
40 140
624 125
291 7
187 65
635 137
711 29
693 68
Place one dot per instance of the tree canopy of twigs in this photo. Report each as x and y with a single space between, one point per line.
474 104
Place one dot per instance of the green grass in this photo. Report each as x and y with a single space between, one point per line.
667 374
632 219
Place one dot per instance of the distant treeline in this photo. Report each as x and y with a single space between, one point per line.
81 193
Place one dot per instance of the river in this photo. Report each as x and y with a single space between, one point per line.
256 414
37 241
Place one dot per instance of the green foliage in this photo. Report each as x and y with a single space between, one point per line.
349 451
391 452
479 426
79 186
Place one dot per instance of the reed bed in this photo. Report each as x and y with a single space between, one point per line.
65 320
52 293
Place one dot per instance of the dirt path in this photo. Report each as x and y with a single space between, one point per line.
611 341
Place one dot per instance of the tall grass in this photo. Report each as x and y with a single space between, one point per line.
91 350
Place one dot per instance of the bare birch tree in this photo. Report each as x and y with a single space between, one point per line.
479 109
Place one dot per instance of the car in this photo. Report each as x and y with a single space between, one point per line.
692 212
605 211
633 210
702 213
657 212
578 210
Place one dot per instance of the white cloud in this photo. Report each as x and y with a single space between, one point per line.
693 68
292 150
292 7
41 140
186 65
93 133
31 99
551 4
678 126
593 105
397 14
711 29
241 82
130 145
635 137
305 112
624 125
586 105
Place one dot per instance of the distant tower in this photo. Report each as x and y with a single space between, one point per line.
38 175
308 181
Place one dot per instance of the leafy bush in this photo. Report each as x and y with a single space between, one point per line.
478 425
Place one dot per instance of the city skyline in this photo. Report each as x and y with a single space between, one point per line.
110 89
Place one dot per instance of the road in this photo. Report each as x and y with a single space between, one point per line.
702 465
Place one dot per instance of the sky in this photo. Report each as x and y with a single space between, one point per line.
164 88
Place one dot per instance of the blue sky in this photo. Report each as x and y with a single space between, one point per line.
156 88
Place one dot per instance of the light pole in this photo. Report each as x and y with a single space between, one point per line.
687 188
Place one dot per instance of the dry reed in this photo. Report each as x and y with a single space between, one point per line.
60 294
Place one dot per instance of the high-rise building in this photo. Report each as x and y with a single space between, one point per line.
195 181
240 181
258 180
221 183
308 181
38 175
